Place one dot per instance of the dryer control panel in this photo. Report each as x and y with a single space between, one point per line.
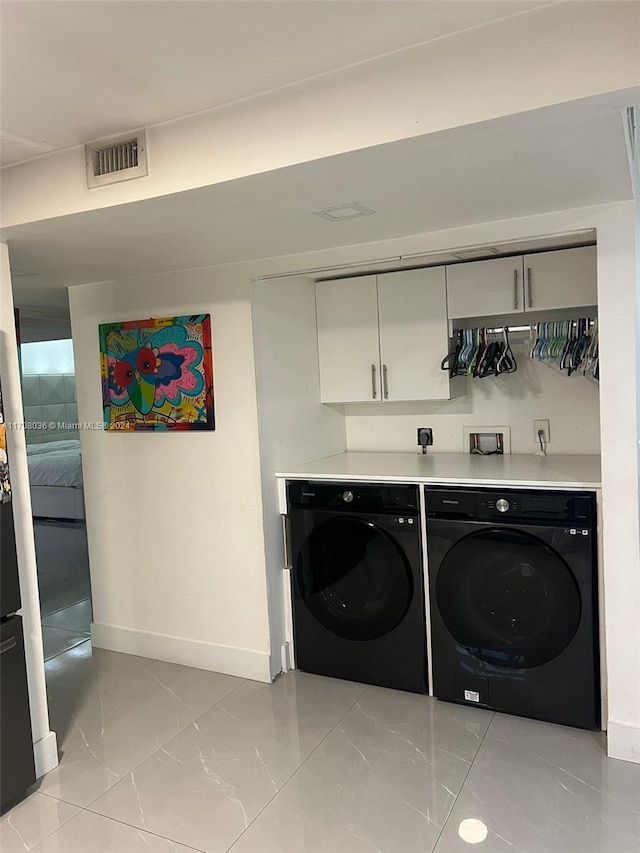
576 510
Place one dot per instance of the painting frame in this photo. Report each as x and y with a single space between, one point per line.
157 374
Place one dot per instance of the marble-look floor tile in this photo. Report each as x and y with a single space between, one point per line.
57 640
113 731
76 676
88 671
76 617
91 833
31 821
539 788
385 779
204 787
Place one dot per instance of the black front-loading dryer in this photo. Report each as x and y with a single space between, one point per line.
357 583
513 591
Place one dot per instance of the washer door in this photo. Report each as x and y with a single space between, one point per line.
509 598
354 578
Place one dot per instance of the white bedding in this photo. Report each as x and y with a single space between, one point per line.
55 463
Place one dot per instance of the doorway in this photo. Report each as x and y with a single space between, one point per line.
55 476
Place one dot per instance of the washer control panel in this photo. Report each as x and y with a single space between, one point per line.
498 505
353 497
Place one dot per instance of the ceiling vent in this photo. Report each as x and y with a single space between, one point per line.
479 253
344 211
116 159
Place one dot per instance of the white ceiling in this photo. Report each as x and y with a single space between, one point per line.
561 157
75 70
78 70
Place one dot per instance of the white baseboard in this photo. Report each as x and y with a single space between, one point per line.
623 741
45 754
244 663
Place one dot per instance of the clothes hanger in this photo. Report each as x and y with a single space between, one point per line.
480 352
507 362
491 356
451 361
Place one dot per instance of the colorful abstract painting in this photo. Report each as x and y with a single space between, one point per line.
157 374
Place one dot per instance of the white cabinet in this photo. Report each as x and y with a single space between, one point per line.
539 282
413 334
348 344
563 279
382 338
485 288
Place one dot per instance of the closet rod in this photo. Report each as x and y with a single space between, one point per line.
527 328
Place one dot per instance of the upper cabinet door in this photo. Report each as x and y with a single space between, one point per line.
347 311
563 279
413 334
484 288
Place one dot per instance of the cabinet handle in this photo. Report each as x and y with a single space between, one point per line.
7 645
286 536
515 289
529 288
385 382
374 390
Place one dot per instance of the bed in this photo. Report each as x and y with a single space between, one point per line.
55 475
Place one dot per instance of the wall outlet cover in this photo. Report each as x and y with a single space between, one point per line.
489 430
543 425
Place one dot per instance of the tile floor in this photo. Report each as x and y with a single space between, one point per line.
160 757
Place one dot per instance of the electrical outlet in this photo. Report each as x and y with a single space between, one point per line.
425 438
544 426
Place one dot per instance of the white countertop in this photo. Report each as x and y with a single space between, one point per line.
550 472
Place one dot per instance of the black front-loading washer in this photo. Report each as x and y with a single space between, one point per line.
514 592
357 583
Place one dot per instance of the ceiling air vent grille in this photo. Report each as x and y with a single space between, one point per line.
113 160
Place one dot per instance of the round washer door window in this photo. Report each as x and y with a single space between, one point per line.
509 598
354 578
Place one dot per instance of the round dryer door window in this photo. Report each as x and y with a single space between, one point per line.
509 598
354 578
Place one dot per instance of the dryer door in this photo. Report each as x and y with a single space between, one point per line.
354 578
508 598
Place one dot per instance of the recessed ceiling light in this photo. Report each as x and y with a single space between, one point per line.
344 211
472 830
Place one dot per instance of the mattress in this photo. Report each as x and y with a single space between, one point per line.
55 463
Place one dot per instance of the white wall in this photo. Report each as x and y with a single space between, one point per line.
555 54
536 390
174 521
618 289
223 600
617 296
45 749
293 425
42 328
